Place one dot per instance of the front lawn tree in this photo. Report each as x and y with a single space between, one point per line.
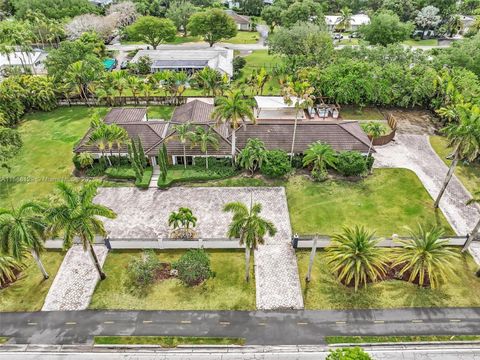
213 25
464 138
76 215
180 12
386 28
273 16
249 227
152 30
428 18
23 229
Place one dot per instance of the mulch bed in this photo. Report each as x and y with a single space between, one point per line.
164 273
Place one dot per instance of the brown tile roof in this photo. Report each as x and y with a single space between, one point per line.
239 19
125 115
278 135
195 111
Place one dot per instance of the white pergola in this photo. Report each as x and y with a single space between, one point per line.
275 107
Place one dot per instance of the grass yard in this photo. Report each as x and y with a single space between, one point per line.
29 292
244 37
325 292
385 202
3 340
46 156
166 341
226 291
349 112
468 174
256 60
160 112
396 339
426 42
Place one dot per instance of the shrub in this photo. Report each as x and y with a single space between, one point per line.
121 172
76 162
348 354
370 160
277 164
141 273
193 267
97 169
297 161
351 163
144 182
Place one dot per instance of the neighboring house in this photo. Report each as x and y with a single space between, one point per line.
189 60
101 3
356 21
276 133
23 60
467 21
243 22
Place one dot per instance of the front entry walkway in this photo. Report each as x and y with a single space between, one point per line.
75 282
414 152
143 214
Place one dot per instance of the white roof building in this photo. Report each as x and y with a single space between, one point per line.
189 60
356 21
275 107
18 58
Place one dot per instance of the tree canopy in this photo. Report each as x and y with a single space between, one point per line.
213 25
152 30
386 28
53 9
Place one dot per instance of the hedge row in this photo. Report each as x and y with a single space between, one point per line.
145 182
123 173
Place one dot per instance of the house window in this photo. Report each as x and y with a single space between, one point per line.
179 160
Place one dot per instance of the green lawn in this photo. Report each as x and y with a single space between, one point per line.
385 202
349 112
395 339
29 292
160 112
426 42
3 340
46 155
226 291
244 37
468 174
167 341
325 292
256 60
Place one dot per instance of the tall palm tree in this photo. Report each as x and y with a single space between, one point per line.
373 129
120 138
355 257
476 230
345 19
100 138
9 267
24 229
320 155
464 138
249 227
205 137
76 215
183 134
425 258
299 94
233 109
211 81
134 84
120 81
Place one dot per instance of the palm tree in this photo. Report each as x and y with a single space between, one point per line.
182 220
373 129
345 19
464 138
476 230
120 138
76 215
135 86
235 110
175 219
23 229
355 258
298 93
9 267
253 155
211 81
320 155
205 137
120 81
183 134
425 258
80 75
100 138
249 227
85 159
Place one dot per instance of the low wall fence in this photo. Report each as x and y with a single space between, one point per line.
385 139
125 100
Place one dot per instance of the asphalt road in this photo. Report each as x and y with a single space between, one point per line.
258 327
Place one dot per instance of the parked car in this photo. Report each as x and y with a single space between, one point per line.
337 36
354 35
124 64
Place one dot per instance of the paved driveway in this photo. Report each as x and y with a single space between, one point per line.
144 214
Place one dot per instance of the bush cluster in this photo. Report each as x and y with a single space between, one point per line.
276 164
141 273
351 163
193 267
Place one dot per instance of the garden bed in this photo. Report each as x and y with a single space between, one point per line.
178 174
145 181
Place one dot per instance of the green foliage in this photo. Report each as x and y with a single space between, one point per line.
180 12
144 182
9 268
143 66
350 163
83 160
213 25
152 30
465 53
10 145
193 267
134 154
162 162
348 354
386 28
253 155
97 169
272 16
141 273
276 164
53 9
121 172
319 156
303 11
238 64
218 169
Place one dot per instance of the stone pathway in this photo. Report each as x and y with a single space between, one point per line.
143 215
414 152
75 282
155 176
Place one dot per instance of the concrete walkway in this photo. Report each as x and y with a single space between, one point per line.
155 176
144 215
414 152
75 282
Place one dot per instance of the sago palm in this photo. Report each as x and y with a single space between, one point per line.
249 227
355 258
76 215
425 257
233 109
23 229
320 156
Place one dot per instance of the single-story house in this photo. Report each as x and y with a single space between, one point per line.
276 133
243 22
356 21
101 3
22 59
188 60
